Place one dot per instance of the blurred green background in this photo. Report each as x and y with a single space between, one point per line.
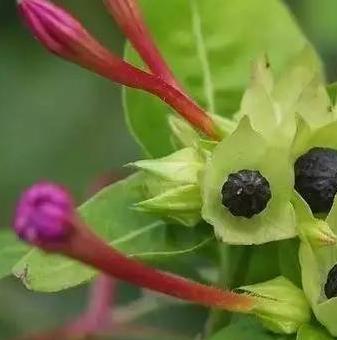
60 122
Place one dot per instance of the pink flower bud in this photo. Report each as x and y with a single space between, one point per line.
58 31
44 214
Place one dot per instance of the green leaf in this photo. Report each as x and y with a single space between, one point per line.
137 234
246 327
210 47
245 149
11 250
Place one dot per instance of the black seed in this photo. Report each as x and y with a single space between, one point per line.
246 193
330 287
316 178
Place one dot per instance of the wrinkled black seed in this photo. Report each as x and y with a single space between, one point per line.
316 178
330 287
246 193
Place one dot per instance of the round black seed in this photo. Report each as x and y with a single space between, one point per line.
246 193
330 287
316 178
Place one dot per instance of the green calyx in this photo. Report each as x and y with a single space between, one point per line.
316 263
280 305
247 149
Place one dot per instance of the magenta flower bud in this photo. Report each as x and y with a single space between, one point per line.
44 215
57 30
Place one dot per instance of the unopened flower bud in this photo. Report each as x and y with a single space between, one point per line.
44 213
280 305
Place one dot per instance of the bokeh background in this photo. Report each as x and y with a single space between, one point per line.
60 122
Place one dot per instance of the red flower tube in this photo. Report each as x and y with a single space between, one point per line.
64 36
46 218
130 19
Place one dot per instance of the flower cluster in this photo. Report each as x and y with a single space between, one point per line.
267 174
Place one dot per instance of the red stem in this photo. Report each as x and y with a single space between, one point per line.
98 316
88 248
133 77
130 19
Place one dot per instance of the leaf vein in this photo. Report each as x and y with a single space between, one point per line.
202 53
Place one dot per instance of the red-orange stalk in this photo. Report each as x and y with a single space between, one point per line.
130 19
86 247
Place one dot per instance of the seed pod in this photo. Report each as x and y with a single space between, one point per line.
330 287
246 193
316 178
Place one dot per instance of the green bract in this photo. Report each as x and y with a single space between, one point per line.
273 105
313 230
281 305
300 88
247 149
266 114
307 137
172 186
316 263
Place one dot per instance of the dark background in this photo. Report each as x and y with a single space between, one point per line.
60 122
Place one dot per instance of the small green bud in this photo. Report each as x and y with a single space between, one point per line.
182 204
316 231
184 134
280 305
181 167
171 186
207 146
224 125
